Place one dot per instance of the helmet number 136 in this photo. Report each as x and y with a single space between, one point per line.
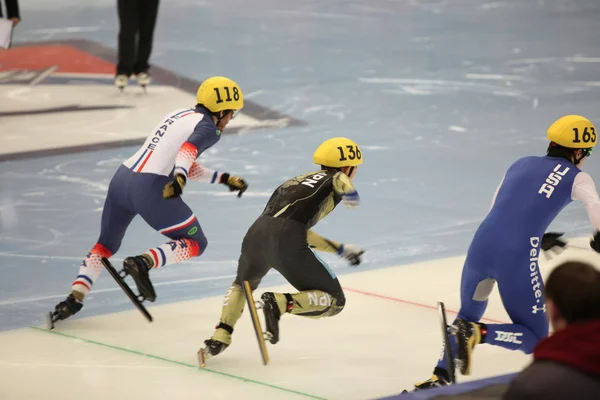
353 153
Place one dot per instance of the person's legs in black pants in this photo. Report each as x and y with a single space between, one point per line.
128 22
147 13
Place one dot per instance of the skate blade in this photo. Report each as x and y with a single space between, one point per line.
132 296
451 363
49 321
256 322
202 357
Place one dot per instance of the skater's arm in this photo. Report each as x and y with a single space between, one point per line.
349 252
200 173
584 190
496 193
343 186
203 137
318 242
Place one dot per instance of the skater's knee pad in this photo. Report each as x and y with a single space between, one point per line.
202 242
337 304
198 242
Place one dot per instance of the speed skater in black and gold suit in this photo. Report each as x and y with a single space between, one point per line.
281 238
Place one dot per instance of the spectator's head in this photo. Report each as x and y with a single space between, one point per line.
573 294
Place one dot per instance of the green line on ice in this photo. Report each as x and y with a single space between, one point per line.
139 353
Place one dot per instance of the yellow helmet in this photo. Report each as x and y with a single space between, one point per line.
338 152
219 93
573 131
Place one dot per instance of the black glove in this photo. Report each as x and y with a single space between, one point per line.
595 242
351 253
550 240
175 187
234 183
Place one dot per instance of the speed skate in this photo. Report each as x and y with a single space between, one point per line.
119 277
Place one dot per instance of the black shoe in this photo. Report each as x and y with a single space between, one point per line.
138 268
213 347
70 306
272 316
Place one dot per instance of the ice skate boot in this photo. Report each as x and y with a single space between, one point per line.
468 335
63 310
138 267
439 378
272 316
217 344
121 81
212 348
143 80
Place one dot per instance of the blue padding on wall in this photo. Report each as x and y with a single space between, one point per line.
452 389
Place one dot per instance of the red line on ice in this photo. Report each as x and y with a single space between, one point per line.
413 303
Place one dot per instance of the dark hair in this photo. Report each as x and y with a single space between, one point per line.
574 288
216 114
556 150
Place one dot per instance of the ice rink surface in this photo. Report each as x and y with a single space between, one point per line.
442 96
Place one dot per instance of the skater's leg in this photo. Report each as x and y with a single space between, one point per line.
116 217
171 217
89 271
174 219
475 288
522 290
251 268
187 241
234 301
320 294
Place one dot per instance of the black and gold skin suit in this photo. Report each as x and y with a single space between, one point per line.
281 238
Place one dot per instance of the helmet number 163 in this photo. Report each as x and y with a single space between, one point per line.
585 136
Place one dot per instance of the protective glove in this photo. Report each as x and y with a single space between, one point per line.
234 183
351 253
351 199
175 187
551 241
595 242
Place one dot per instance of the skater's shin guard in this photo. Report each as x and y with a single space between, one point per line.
89 271
310 303
173 252
233 306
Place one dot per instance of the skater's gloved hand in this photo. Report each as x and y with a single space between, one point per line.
234 183
351 253
595 242
351 199
551 241
175 187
